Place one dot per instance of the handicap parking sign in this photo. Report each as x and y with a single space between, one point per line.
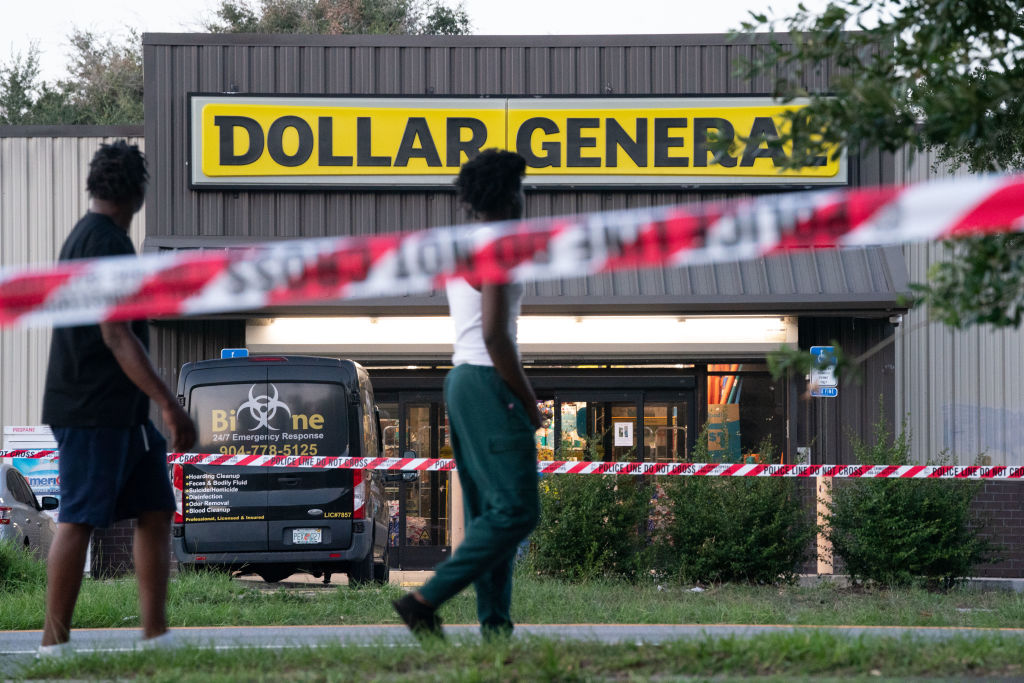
823 380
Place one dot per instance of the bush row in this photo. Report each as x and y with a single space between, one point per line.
709 530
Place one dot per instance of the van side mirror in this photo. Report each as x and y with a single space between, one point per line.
49 503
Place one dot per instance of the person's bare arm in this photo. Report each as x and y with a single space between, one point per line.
502 348
132 357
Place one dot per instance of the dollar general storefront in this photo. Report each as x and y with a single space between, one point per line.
254 138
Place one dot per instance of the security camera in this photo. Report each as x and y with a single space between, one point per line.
895 320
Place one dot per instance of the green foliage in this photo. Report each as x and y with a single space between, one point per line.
19 569
786 361
916 75
340 17
895 532
591 526
736 529
104 85
981 283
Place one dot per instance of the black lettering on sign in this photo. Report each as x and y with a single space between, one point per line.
364 144
227 125
616 137
456 146
416 129
763 143
327 156
800 123
275 141
524 143
725 133
576 142
663 142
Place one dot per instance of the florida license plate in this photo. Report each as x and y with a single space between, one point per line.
300 536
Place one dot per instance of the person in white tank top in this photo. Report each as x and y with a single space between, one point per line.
493 415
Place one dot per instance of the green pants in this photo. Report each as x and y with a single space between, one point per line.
496 455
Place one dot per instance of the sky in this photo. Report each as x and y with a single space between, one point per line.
47 25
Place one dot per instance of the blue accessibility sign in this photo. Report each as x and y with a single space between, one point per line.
822 380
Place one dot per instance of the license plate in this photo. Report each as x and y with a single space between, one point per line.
305 536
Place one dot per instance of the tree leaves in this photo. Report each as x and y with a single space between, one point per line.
104 85
337 17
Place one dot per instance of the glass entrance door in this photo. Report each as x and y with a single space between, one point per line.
415 425
667 426
600 425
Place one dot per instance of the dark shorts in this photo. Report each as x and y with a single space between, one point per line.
111 473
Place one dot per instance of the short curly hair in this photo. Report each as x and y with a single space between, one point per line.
117 173
490 182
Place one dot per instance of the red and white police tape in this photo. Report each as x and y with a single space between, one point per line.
674 469
212 281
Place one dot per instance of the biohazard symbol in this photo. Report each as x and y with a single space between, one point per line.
263 408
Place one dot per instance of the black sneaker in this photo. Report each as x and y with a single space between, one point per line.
421 619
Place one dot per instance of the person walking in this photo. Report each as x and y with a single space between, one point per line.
113 462
493 415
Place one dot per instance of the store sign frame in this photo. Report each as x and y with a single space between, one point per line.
301 142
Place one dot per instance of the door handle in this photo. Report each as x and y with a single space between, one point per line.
288 481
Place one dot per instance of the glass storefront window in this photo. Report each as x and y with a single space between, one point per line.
574 431
746 414
545 436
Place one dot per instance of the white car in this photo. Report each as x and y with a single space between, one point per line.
23 519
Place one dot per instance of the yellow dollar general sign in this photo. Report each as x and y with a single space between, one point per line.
281 142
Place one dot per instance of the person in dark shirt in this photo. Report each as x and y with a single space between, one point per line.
113 462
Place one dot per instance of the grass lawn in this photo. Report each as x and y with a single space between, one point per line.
204 599
784 657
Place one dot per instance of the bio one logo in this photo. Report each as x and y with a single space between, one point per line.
263 409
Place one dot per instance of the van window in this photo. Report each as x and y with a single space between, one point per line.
275 418
369 417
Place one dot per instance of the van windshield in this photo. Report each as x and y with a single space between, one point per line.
275 418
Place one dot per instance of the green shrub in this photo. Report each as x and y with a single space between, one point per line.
735 529
19 569
591 526
898 532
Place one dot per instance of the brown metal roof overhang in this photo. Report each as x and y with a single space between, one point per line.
857 281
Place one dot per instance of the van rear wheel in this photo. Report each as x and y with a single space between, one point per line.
382 570
360 572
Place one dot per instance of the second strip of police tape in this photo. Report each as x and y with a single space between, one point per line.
677 469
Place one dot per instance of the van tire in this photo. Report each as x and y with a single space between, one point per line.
361 572
382 570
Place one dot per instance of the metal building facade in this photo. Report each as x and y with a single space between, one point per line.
600 66
42 194
962 391
846 296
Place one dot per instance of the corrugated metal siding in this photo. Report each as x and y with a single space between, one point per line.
962 390
481 65
42 195
865 397
500 65
542 65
